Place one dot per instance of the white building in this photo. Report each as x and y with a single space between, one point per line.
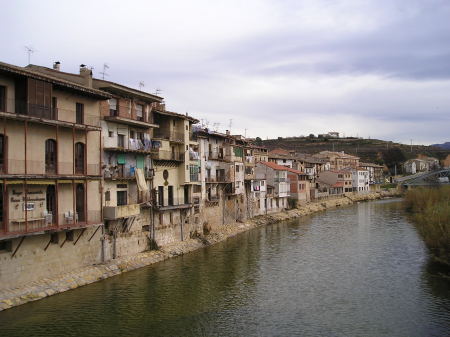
360 181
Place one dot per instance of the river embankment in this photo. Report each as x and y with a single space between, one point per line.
87 275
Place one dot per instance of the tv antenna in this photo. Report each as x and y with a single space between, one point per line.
216 126
141 85
30 50
103 73
158 91
230 124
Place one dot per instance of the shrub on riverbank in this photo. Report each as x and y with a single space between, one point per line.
430 208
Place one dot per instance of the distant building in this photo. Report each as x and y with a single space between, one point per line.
338 160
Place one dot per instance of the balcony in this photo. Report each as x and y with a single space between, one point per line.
219 178
159 154
194 156
249 161
171 135
125 173
281 180
134 145
118 212
217 155
249 173
17 167
47 114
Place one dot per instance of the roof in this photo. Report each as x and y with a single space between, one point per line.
97 83
338 154
274 166
31 73
370 165
175 114
338 184
121 89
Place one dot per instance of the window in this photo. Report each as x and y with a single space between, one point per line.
79 113
262 182
107 196
79 158
237 168
170 201
110 134
132 134
112 107
54 108
121 198
80 203
50 156
139 112
120 140
50 198
2 98
2 152
161 196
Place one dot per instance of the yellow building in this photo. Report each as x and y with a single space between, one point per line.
50 158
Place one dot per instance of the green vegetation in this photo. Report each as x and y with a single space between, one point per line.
430 208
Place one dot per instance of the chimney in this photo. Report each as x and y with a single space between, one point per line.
227 132
86 73
57 65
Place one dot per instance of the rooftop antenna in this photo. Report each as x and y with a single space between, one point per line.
141 85
245 133
30 50
157 91
216 126
230 124
103 73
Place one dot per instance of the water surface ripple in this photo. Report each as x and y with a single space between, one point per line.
356 271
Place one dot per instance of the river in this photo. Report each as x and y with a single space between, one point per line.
361 270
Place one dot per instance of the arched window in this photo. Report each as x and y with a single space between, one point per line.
79 158
50 156
80 202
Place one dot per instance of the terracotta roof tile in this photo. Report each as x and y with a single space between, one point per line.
274 166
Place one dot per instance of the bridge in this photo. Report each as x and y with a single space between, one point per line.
432 178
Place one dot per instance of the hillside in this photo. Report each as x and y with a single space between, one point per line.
445 146
369 150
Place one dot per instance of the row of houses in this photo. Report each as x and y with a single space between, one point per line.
91 170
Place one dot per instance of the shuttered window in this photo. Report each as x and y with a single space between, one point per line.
2 98
79 113
79 158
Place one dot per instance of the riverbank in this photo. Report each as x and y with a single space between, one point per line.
83 276
430 213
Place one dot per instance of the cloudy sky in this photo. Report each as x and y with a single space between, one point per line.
378 69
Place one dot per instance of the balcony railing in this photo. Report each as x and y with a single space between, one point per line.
39 167
249 160
216 155
281 180
114 172
48 112
159 154
221 178
38 223
133 144
194 155
174 136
